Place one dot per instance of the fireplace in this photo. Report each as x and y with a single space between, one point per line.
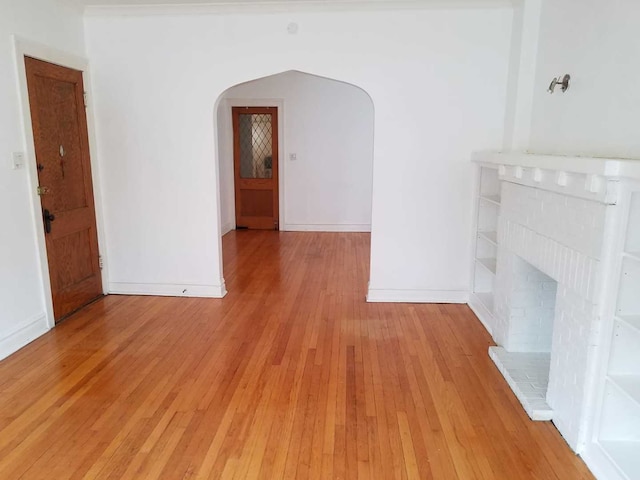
556 276
551 243
545 302
526 303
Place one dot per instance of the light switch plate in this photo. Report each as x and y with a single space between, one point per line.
17 160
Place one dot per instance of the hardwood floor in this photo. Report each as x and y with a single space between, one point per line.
291 376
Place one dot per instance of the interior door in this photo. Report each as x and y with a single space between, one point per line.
56 101
255 156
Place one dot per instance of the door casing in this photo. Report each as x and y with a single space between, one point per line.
225 154
244 186
24 47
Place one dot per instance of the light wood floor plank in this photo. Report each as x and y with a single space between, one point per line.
291 376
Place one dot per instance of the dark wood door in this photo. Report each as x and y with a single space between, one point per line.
255 158
56 101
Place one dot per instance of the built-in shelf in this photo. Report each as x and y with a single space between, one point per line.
486 243
486 298
488 263
491 237
632 244
633 256
625 455
624 356
493 199
632 321
629 385
629 288
619 434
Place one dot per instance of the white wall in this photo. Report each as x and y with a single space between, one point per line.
522 75
22 309
598 44
329 126
437 79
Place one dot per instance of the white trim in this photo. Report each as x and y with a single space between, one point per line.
379 295
98 198
168 289
606 167
227 133
346 227
229 7
600 463
481 311
22 48
613 243
522 75
25 333
226 228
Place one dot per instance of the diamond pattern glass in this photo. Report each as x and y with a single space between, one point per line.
255 132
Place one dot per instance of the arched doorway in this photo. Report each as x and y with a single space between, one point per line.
325 145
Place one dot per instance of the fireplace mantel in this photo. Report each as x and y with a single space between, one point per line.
556 276
605 167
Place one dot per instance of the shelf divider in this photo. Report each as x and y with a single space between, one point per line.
491 237
486 298
633 255
494 199
624 454
632 321
629 385
488 263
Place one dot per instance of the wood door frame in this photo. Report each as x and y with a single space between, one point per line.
24 47
227 154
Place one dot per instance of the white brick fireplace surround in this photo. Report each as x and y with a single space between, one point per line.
551 257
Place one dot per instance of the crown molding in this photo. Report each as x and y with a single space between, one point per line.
252 7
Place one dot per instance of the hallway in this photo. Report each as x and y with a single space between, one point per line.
292 375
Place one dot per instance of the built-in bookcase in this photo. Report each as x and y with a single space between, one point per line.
619 434
486 243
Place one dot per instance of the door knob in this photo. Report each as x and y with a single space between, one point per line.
48 217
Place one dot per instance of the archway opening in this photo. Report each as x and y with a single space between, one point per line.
325 151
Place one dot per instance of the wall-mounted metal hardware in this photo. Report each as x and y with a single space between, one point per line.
43 190
564 83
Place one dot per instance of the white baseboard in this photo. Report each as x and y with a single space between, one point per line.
483 314
168 290
25 333
376 295
351 227
227 227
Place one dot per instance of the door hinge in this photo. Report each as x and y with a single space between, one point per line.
43 190
100 262
84 96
